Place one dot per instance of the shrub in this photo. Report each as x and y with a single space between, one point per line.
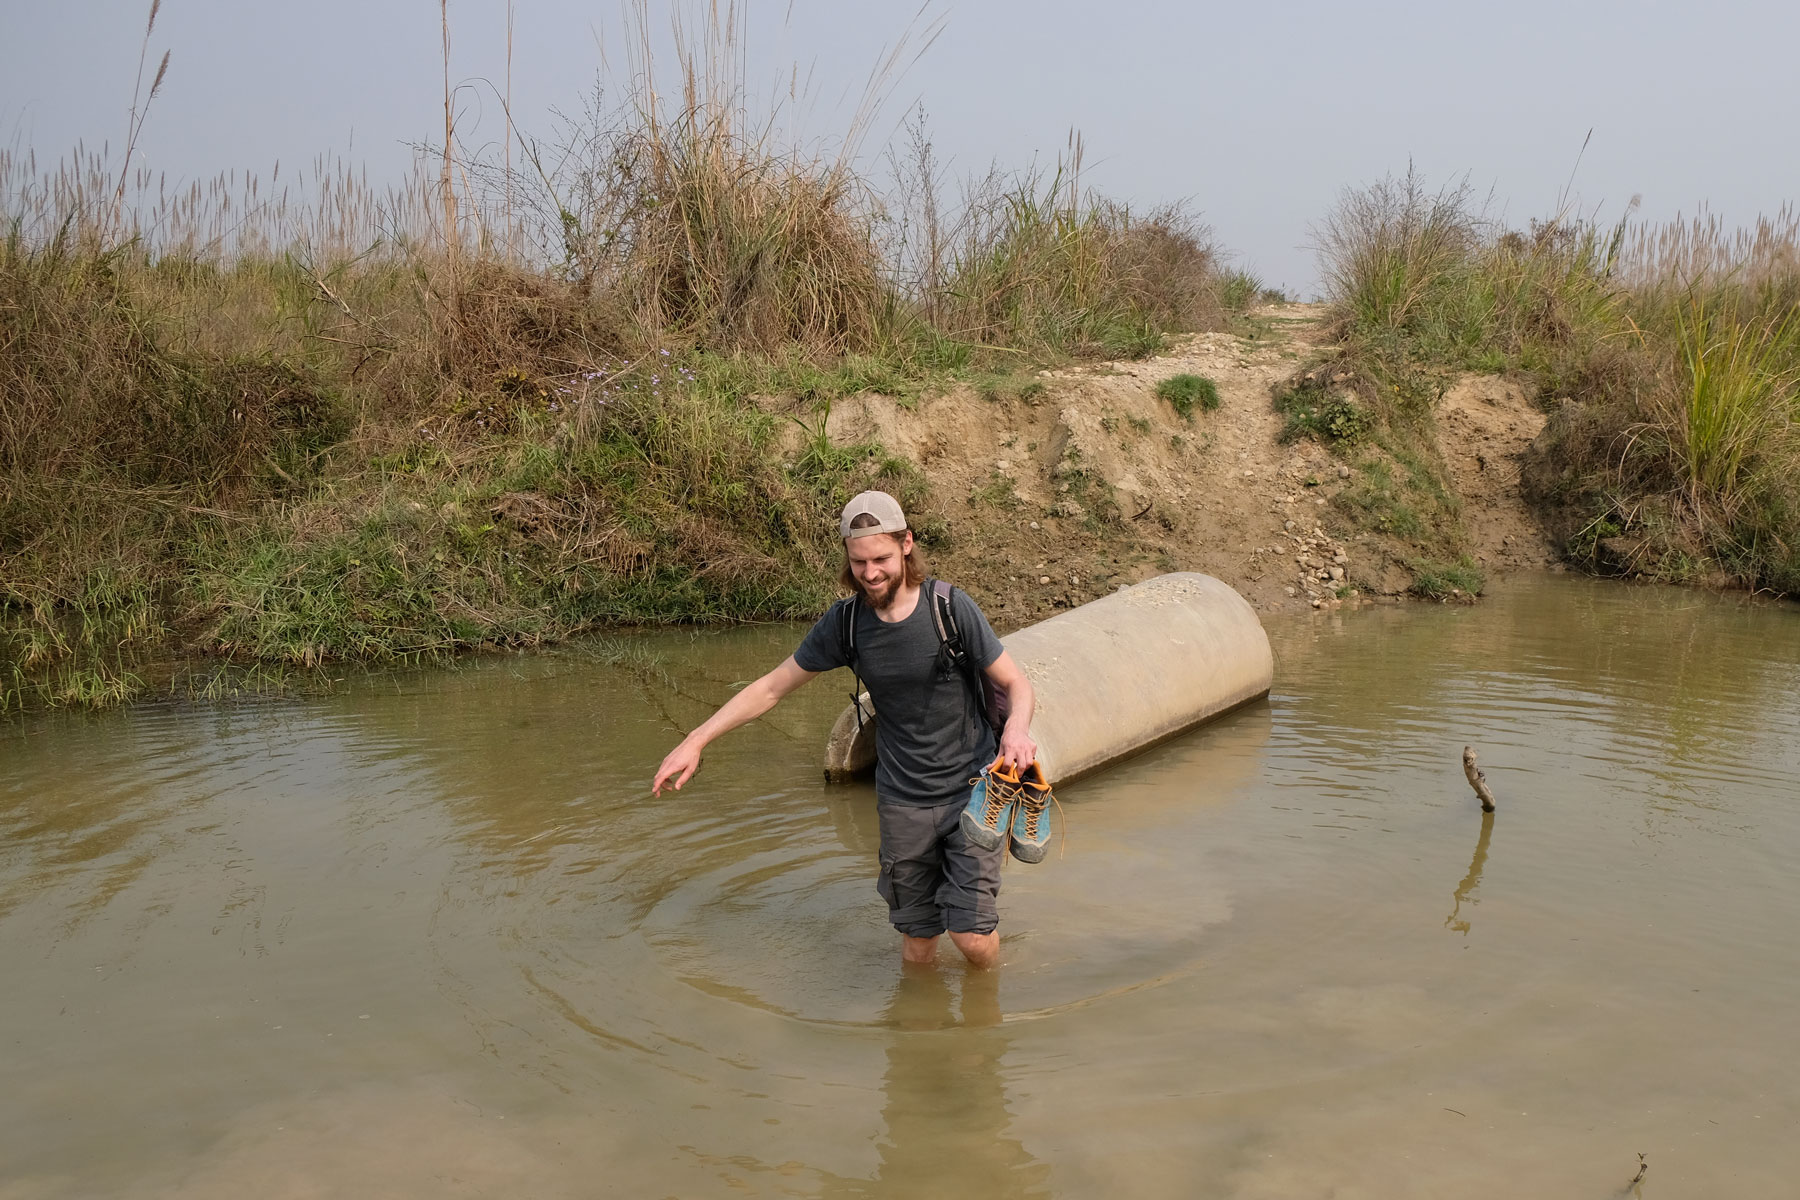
1240 291
1390 248
1681 439
1732 400
1314 410
1040 264
1677 346
1187 392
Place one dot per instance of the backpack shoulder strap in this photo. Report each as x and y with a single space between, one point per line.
847 614
988 699
943 616
848 609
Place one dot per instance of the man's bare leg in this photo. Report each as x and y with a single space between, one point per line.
981 949
918 950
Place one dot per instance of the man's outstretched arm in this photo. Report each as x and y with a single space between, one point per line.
755 700
1016 746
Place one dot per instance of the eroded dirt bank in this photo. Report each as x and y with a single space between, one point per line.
1046 497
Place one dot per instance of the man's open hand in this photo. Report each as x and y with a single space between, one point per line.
677 768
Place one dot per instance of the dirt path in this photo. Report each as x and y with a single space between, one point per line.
1052 494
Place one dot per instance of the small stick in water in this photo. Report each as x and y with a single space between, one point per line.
1477 779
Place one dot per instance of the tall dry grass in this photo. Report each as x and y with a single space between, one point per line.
1763 259
1394 250
1676 348
1735 391
1427 274
1034 260
1714 311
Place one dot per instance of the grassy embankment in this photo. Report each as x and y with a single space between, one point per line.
241 438
1668 357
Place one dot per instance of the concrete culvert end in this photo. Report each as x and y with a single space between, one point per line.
850 750
1118 674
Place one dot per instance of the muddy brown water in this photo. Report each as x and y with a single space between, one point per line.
430 937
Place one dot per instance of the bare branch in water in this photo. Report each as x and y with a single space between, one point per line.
1477 780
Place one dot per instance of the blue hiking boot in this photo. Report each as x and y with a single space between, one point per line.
989 812
1031 816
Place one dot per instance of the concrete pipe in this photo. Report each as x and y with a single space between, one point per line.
1118 674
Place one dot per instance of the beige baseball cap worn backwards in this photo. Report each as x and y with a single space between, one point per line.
883 507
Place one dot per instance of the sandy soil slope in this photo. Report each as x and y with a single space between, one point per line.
1484 426
1047 499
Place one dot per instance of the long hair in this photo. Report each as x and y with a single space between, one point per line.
915 562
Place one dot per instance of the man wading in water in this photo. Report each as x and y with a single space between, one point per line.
940 868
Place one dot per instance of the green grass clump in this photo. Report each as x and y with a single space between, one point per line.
998 491
1185 393
1241 291
997 386
1317 412
1399 488
1733 399
1382 502
1460 579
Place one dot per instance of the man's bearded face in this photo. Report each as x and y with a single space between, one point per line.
879 564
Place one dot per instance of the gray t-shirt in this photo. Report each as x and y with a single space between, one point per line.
931 736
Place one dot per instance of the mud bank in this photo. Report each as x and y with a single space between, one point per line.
1046 498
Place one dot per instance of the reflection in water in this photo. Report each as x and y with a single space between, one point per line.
1466 889
855 821
948 1130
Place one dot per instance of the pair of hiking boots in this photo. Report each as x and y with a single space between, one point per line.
1008 804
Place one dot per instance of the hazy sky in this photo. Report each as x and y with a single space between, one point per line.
1258 114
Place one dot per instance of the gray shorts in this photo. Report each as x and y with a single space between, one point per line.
932 877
